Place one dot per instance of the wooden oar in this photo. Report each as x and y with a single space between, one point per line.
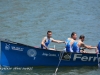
58 63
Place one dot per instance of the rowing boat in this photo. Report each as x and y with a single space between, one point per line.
21 55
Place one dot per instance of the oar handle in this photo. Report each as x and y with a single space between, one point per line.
86 48
83 48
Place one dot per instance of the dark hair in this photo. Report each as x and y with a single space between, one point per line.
49 32
73 33
81 36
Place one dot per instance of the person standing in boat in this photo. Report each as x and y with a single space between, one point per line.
48 39
79 43
69 42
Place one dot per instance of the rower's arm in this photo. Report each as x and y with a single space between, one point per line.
90 47
58 41
43 43
87 46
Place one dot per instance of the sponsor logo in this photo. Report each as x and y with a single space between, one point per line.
85 58
31 53
66 56
17 48
48 54
79 57
7 46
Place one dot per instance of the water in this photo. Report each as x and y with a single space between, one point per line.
27 21
50 71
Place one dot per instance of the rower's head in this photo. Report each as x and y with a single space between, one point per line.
49 34
82 38
74 35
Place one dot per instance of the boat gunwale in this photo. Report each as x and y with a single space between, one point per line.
11 42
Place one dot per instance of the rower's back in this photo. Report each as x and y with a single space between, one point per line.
75 46
69 43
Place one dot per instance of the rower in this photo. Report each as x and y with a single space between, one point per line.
79 43
48 39
70 41
98 47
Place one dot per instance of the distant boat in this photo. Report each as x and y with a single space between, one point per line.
17 54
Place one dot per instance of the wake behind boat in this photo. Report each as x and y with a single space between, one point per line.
17 54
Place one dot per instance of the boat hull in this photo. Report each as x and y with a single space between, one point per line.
16 54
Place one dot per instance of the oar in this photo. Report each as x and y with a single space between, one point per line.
82 48
59 63
97 55
54 47
97 58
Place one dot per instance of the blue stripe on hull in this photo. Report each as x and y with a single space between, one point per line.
23 55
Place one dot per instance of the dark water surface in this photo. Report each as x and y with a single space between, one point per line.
50 71
27 21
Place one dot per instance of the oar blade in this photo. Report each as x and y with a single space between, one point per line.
56 70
